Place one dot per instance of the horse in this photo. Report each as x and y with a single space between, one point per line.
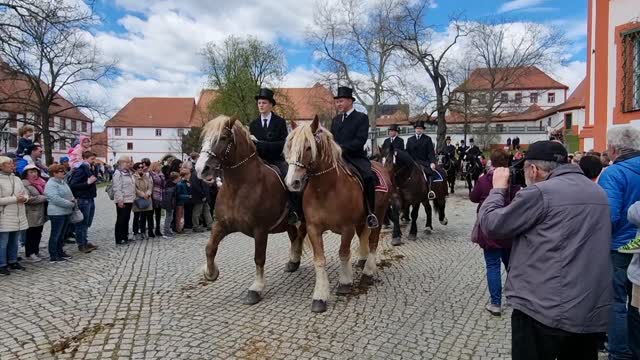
472 172
450 166
414 188
333 200
252 200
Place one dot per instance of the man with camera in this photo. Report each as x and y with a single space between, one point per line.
559 280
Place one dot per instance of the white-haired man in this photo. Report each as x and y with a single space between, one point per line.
621 182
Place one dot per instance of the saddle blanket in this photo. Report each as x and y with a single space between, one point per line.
436 176
382 184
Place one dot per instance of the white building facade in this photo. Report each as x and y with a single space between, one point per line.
144 142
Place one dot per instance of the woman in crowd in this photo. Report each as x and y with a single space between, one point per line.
494 251
124 192
142 216
60 206
188 205
183 196
158 179
35 208
13 218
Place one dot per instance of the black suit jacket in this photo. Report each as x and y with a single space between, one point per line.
270 142
450 151
398 144
352 134
422 150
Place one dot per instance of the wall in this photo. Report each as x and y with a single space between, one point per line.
560 97
145 143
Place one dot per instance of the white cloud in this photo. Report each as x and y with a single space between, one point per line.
570 74
518 5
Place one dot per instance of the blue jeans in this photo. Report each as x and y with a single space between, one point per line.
88 209
58 227
9 247
634 331
492 258
618 334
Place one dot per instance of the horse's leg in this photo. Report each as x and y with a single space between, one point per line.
440 205
321 290
345 280
254 294
394 216
363 250
296 236
427 208
370 267
210 270
405 213
413 231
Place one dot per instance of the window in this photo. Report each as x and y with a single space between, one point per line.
52 122
518 99
504 97
631 70
63 124
158 132
117 132
74 125
533 98
500 128
180 132
13 120
129 146
568 121
551 98
482 99
84 126
13 140
129 132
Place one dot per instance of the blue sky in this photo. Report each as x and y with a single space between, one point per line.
157 41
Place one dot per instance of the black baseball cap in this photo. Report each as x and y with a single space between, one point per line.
547 151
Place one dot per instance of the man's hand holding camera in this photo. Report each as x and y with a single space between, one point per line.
501 178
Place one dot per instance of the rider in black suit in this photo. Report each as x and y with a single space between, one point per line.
393 139
269 133
350 130
449 150
473 152
421 149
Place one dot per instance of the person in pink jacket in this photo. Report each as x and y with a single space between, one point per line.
75 153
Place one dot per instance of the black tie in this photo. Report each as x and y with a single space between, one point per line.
264 126
419 137
344 117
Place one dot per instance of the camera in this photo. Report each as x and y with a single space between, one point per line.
516 172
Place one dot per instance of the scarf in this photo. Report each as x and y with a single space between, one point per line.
38 183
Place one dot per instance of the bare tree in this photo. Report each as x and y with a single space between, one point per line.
48 56
356 46
416 38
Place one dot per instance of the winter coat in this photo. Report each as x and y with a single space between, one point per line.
35 206
169 195
124 187
13 216
199 189
78 183
59 196
183 193
144 189
634 268
158 188
560 267
621 182
479 193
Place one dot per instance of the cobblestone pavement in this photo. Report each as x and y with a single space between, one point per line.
148 300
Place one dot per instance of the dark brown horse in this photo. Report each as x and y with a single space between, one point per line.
252 199
450 166
414 189
332 200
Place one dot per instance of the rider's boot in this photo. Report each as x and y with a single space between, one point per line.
370 203
431 195
295 209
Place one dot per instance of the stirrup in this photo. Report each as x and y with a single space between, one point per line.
293 218
372 221
431 195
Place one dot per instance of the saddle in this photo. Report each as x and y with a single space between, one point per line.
381 184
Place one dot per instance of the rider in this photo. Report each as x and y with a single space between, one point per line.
350 130
269 132
393 139
474 152
420 147
449 150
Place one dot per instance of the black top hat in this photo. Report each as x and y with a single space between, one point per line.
418 124
447 138
345 92
266 94
471 140
394 127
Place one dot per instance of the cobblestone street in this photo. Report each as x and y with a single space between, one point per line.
148 300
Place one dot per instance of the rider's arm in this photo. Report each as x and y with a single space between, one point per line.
356 143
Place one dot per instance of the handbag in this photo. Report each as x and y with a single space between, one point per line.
142 203
76 215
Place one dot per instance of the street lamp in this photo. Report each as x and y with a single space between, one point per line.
5 134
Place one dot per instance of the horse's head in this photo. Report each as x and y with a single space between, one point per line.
224 139
309 150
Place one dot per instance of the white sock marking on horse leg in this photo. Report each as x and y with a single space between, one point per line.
346 272
321 290
363 251
370 266
295 251
259 283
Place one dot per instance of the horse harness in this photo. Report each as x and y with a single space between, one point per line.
226 153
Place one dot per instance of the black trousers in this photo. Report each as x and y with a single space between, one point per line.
140 221
157 213
32 240
532 340
123 215
188 214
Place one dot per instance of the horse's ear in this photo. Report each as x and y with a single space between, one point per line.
232 121
315 123
294 124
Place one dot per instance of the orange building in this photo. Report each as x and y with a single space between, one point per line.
613 69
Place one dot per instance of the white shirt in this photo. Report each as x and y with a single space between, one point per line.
346 115
263 118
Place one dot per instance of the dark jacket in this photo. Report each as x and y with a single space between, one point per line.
450 151
169 195
78 183
422 150
474 151
270 142
199 189
352 134
560 266
398 144
183 193
479 193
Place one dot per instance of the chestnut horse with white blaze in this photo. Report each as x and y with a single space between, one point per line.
252 199
332 200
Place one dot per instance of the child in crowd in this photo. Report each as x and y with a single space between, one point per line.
169 203
75 153
183 196
26 134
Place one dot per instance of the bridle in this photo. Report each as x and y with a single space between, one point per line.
310 166
225 155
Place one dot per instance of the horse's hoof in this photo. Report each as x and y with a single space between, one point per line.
213 276
253 297
360 263
445 221
396 241
366 280
412 237
318 306
343 290
292 266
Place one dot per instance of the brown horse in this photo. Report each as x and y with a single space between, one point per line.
332 200
252 199
413 189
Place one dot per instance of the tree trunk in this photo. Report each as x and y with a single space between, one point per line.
46 136
373 114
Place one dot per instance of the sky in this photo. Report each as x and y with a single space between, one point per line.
157 42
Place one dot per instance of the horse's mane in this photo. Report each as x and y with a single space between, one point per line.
214 128
302 136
